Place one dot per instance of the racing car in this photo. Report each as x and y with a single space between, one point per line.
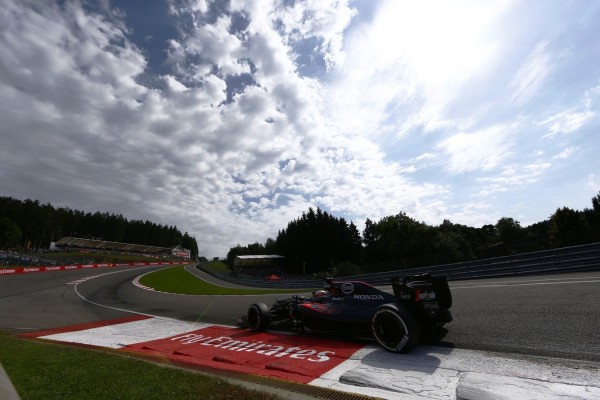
357 309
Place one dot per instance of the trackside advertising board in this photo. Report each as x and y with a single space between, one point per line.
25 270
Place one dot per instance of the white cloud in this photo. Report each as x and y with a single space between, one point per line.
593 182
530 78
325 20
482 150
474 214
513 176
425 156
234 162
571 120
226 172
567 122
566 153
209 45
405 66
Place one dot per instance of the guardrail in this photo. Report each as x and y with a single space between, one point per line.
566 259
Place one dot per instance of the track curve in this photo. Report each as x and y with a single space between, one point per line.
555 316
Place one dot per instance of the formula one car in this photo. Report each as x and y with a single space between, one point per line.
356 309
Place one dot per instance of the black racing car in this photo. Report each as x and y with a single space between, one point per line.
353 308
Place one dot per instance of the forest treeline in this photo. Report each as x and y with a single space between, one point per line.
30 225
318 242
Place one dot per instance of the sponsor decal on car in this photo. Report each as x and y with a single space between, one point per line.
418 295
368 297
427 296
347 287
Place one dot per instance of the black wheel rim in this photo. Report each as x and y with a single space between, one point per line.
253 318
390 330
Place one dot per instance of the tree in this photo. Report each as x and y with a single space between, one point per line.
270 246
373 250
189 242
509 230
10 234
454 242
317 241
592 217
567 228
596 204
41 223
346 269
234 252
396 242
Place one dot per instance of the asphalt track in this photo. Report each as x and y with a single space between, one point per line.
551 315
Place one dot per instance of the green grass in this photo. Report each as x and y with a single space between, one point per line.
50 371
218 266
178 280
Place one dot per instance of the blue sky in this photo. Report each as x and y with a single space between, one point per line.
231 118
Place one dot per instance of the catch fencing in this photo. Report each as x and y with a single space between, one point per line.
567 259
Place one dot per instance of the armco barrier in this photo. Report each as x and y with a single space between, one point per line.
25 270
566 259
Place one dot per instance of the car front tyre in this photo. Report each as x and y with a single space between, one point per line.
258 317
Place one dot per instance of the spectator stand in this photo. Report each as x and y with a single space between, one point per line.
267 267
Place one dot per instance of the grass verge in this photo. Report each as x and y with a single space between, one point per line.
52 371
218 266
178 280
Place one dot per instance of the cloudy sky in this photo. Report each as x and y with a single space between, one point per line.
229 119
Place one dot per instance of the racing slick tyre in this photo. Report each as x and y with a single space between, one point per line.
258 317
395 328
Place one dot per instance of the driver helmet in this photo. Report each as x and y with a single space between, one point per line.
320 293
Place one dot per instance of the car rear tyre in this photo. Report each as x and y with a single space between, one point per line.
258 317
395 328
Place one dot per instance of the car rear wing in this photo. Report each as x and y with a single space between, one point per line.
423 288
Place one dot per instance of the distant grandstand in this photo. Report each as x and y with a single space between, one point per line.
258 260
71 242
259 265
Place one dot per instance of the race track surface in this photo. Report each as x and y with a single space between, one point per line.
552 315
